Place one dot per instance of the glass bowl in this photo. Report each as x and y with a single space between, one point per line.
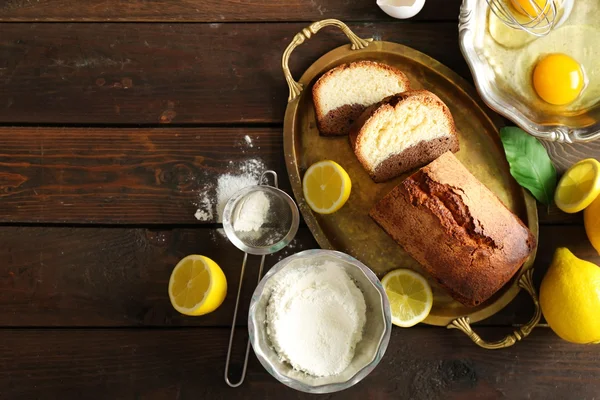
369 350
558 125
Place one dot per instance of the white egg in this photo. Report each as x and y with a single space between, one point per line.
401 9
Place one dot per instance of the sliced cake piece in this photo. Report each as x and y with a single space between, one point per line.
344 92
402 132
457 229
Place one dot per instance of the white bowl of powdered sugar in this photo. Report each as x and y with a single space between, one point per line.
319 321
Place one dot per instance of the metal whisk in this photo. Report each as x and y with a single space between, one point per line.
537 20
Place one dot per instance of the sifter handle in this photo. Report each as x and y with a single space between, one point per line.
264 175
235 310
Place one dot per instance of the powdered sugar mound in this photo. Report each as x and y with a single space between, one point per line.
227 185
253 213
315 318
213 196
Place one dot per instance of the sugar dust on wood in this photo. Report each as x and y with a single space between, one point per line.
245 143
219 232
228 185
288 250
205 208
245 173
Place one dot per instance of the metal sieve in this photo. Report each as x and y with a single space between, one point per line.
273 233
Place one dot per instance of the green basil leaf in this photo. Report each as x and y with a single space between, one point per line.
529 163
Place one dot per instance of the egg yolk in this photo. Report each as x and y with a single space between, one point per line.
558 79
526 7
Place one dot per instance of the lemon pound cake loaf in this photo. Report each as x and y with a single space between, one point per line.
402 132
342 94
457 229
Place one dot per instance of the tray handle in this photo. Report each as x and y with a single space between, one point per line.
306 33
464 324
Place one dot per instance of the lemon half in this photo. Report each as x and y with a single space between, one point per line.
326 186
410 297
579 186
197 285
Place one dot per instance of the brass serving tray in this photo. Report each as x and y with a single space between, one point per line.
350 229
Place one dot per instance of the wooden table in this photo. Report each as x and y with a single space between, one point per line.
114 118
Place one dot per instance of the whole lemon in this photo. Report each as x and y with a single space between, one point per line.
591 218
570 298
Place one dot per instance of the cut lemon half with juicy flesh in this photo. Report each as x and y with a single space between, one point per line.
197 285
326 187
409 295
579 186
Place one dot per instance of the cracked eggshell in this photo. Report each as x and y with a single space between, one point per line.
401 9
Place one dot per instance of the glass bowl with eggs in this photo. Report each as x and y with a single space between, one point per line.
319 321
548 84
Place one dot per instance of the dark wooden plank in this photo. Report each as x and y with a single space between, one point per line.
420 363
126 176
114 277
211 10
118 276
143 73
553 215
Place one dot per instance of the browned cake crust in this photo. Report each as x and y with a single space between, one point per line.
413 157
457 229
338 122
410 158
